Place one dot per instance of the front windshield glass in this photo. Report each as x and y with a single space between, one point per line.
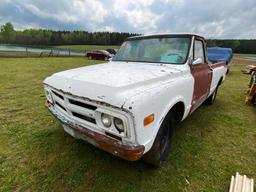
172 50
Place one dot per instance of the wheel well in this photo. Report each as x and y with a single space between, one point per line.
178 111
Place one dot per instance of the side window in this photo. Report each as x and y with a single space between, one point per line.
199 50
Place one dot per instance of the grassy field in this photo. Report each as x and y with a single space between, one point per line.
18 54
36 154
87 47
244 55
82 48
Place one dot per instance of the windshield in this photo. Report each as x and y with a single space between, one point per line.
172 50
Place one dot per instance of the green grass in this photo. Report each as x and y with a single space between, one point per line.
37 155
88 47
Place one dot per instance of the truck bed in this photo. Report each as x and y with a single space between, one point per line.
217 54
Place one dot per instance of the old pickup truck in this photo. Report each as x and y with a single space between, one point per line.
129 106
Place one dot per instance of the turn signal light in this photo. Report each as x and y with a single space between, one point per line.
149 119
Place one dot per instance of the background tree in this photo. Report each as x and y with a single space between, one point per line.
236 45
39 37
7 32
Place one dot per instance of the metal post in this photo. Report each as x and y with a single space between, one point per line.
50 53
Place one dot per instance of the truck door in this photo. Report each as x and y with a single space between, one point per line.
202 74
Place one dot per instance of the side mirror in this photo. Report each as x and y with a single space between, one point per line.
197 61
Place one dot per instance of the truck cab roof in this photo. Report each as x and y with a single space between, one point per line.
165 35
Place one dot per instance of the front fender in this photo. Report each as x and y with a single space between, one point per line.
158 101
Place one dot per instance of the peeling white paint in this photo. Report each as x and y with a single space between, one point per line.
134 89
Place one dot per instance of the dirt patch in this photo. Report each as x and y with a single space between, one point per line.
242 61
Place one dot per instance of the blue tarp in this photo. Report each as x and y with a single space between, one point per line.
216 54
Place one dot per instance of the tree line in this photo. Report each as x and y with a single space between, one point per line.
50 37
238 45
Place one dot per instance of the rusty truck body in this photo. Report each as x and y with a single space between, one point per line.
129 106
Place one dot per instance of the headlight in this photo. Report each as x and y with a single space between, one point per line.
48 96
106 120
119 124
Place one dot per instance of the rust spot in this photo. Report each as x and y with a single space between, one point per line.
216 65
47 104
90 100
126 151
116 147
113 146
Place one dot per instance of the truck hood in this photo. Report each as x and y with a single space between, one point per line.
112 82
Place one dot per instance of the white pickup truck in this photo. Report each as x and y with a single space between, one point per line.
130 105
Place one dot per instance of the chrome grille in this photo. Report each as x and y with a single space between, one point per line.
75 108
78 103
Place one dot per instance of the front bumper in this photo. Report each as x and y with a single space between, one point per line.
106 143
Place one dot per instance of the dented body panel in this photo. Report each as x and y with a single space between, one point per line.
128 91
128 151
127 79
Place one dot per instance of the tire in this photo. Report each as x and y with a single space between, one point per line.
210 100
161 146
228 68
254 99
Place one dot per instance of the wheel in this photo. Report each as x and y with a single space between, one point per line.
161 146
90 57
210 100
254 99
227 71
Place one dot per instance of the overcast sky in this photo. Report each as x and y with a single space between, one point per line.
211 18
